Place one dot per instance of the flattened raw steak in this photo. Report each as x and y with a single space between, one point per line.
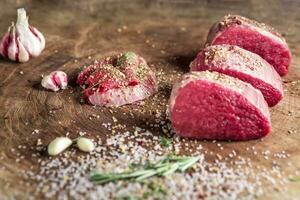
244 65
252 36
117 80
210 105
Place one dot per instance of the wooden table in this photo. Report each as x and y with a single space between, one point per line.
167 33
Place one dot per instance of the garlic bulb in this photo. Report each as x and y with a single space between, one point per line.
55 80
58 145
22 41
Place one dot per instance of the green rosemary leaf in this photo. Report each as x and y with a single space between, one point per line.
147 175
128 197
297 179
172 169
188 163
165 142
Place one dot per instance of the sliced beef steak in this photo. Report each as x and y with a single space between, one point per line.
117 80
244 65
211 105
252 36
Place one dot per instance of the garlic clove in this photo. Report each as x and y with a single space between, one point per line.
4 43
40 36
12 46
60 78
22 41
23 55
85 144
48 83
55 80
58 145
15 49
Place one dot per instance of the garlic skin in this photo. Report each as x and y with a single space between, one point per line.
22 41
58 145
55 80
85 144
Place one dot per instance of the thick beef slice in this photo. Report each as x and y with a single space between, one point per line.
210 105
244 65
252 36
117 80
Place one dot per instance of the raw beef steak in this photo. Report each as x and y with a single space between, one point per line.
244 65
117 80
211 105
252 36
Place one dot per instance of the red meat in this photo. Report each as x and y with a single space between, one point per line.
117 80
252 36
210 105
244 65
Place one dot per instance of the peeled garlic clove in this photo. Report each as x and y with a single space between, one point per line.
22 41
58 145
85 144
55 81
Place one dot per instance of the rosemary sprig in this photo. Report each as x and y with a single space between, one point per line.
297 179
165 142
166 166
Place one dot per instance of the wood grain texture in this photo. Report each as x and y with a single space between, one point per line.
168 34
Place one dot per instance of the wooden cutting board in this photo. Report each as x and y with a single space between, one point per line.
168 34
